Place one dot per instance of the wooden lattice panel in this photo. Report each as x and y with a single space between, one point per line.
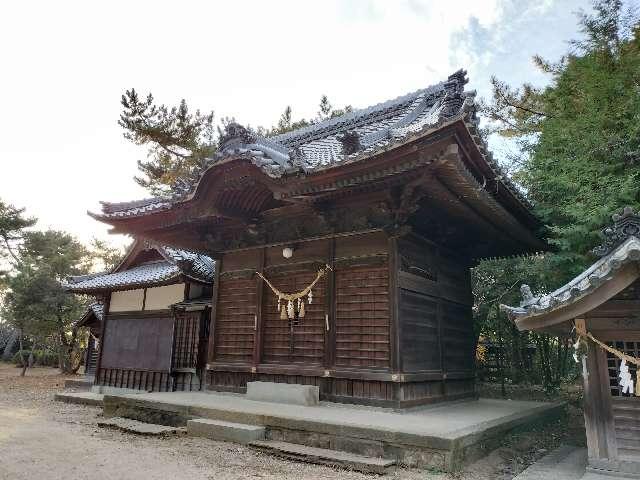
186 338
235 319
613 365
305 344
362 320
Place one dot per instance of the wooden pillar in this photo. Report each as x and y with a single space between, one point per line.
212 321
395 332
598 417
258 325
105 314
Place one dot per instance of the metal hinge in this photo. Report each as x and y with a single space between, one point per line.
326 321
255 322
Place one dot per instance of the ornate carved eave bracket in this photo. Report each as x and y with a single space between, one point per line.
405 201
625 225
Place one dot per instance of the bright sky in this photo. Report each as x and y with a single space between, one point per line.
64 65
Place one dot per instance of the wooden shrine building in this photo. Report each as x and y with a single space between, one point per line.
393 203
602 305
149 327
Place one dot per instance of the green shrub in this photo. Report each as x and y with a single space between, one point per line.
41 358
17 357
46 358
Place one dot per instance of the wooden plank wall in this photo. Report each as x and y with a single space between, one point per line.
420 341
435 310
626 416
138 341
235 316
362 318
357 358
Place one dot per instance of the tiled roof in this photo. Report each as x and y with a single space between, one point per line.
621 246
176 263
98 310
348 138
192 264
142 275
94 309
600 272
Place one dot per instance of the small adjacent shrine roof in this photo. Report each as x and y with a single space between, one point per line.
175 264
349 138
95 310
620 249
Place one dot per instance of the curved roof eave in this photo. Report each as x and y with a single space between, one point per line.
604 279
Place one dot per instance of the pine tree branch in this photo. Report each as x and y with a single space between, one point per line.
520 107
9 249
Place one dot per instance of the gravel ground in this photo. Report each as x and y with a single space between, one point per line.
43 439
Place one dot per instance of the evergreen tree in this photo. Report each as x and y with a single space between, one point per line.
179 142
105 255
12 226
36 303
579 136
579 161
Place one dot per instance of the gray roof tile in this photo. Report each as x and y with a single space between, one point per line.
142 275
317 147
177 263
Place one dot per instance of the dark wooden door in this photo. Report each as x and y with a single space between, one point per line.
301 340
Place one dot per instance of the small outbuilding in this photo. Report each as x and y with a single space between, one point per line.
602 305
150 324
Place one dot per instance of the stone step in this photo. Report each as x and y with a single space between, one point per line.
566 462
140 428
225 431
82 398
323 456
79 383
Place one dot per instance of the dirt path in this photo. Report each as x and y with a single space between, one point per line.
48 440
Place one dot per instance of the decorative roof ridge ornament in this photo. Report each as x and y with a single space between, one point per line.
235 135
527 296
350 142
625 225
454 93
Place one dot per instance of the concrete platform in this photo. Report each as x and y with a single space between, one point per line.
446 436
81 398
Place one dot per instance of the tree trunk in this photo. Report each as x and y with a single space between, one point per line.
25 364
67 347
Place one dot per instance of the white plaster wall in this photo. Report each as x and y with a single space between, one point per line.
126 301
160 298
